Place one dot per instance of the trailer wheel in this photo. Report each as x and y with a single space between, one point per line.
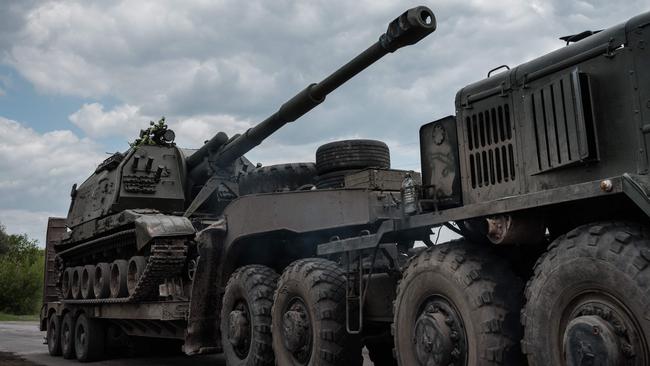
277 178
54 335
88 339
67 336
309 317
352 154
457 304
588 300
246 316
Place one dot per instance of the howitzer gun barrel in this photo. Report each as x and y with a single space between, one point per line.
409 28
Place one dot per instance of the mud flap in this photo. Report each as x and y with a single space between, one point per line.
203 335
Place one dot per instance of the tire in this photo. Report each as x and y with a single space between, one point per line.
246 316
118 283
457 303
88 282
134 271
54 335
102 282
333 179
352 154
309 317
88 339
595 276
277 178
67 336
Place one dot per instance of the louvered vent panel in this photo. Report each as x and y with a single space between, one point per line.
562 122
491 152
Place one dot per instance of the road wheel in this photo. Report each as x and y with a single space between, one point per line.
352 154
118 282
588 301
76 282
309 317
457 304
54 335
134 271
88 339
102 281
246 316
88 282
67 336
277 178
66 283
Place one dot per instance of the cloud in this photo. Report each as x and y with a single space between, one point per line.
32 223
123 120
37 171
161 58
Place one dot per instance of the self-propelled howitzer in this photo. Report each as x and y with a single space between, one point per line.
408 29
136 216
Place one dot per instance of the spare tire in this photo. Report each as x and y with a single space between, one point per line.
277 178
334 179
352 154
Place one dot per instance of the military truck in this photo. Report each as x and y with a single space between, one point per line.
542 171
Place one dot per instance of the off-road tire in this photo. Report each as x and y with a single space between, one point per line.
54 335
483 294
277 178
67 336
253 285
320 285
352 154
88 339
612 259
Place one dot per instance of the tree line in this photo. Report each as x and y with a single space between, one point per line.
22 264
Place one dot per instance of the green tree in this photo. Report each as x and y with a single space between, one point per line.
21 273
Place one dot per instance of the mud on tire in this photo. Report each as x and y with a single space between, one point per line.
246 316
458 304
595 276
309 316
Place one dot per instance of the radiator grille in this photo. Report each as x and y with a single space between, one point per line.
491 154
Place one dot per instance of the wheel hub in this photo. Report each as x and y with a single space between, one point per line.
296 331
437 336
590 339
601 332
239 330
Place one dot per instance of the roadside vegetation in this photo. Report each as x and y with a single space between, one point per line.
21 276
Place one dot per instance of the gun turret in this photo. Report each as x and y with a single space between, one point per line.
407 29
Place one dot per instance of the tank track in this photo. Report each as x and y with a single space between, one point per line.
167 259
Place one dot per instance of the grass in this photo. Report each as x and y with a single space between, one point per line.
4 317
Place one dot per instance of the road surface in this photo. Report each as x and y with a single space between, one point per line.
23 339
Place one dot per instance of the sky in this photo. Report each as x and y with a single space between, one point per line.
79 79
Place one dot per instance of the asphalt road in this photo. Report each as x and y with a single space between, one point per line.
26 341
